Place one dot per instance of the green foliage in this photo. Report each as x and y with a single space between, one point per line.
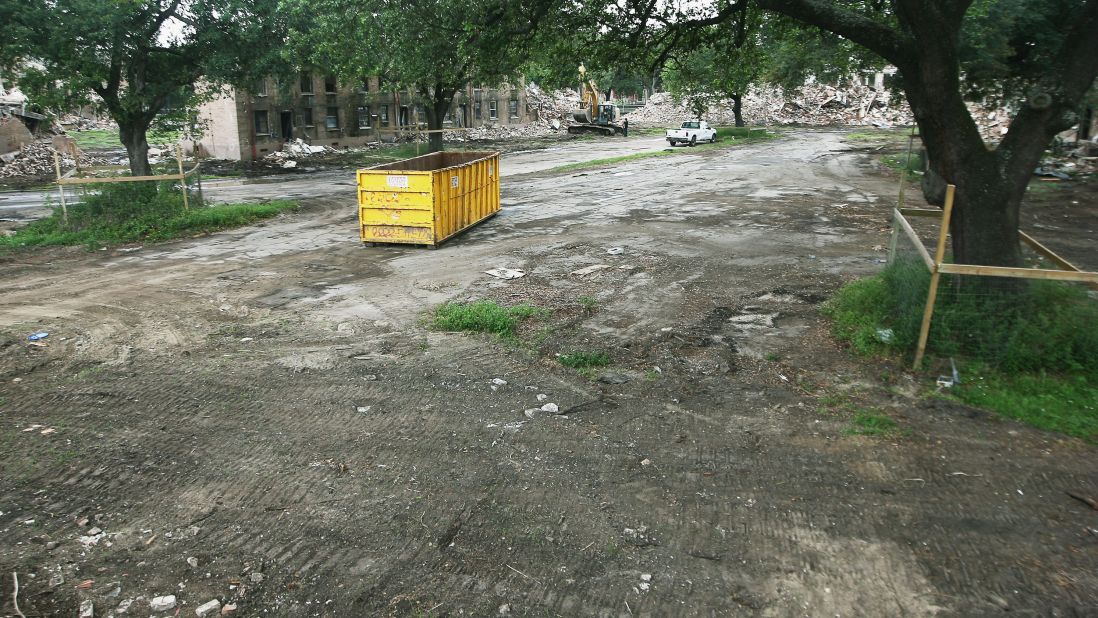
1047 327
872 423
587 302
140 59
484 316
584 360
135 212
1068 404
913 162
1031 356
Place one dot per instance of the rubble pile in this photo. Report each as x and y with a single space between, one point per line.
552 114
36 159
812 104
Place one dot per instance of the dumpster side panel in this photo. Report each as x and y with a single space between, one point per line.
396 206
470 195
419 201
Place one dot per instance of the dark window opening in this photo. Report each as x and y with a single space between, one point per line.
262 123
493 110
261 88
384 115
364 117
307 116
330 84
331 120
512 108
306 83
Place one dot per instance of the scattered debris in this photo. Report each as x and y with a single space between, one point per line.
193 562
87 609
505 273
229 608
614 378
37 336
1091 502
885 335
499 381
363 409
551 408
594 268
615 251
646 462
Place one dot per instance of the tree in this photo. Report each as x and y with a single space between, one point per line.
1041 53
723 65
134 58
436 47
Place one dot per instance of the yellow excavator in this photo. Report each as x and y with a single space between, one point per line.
594 115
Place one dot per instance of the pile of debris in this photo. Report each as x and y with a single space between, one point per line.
294 150
552 113
36 159
815 105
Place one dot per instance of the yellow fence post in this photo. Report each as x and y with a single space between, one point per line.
182 175
60 188
935 274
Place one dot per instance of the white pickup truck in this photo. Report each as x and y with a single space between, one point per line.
691 132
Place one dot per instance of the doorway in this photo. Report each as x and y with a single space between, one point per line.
286 119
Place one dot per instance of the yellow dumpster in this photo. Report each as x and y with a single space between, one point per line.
425 200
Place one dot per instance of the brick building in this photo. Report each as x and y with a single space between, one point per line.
321 111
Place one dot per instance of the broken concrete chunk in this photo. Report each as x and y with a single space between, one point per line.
87 609
162 604
551 408
256 577
505 273
208 608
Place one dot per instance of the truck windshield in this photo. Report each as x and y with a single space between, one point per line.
691 125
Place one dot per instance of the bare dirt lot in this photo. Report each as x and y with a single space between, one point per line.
263 417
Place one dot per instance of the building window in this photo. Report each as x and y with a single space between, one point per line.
261 88
477 109
512 108
384 115
330 84
364 117
365 85
307 116
331 120
306 83
493 111
262 123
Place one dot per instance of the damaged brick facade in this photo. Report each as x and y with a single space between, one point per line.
321 111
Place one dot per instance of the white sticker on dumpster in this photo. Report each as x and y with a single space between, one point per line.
397 181
453 182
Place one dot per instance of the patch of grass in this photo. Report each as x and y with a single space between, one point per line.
584 360
900 160
879 135
587 302
726 137
1067 404
772 357
611 160
871 422
136 212
484 316
1030 353
96 139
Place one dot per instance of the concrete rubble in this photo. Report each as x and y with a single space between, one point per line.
36 159
814 105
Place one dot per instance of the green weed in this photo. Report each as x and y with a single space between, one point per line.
871 423
588 303
484 316
136 212
584 360
1030 355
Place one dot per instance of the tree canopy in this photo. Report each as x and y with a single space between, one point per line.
433 47
134 58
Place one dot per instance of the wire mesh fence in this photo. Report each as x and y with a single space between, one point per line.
1024 322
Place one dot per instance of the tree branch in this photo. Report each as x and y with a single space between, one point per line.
878 38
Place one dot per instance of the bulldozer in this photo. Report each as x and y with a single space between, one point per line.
594 115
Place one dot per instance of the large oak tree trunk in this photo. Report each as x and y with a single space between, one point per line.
133 134
737 108
440 99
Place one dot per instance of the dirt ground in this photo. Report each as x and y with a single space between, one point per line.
262 417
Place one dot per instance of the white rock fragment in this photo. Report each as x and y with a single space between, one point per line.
542 396
208 608
499 381
551 408
162 604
